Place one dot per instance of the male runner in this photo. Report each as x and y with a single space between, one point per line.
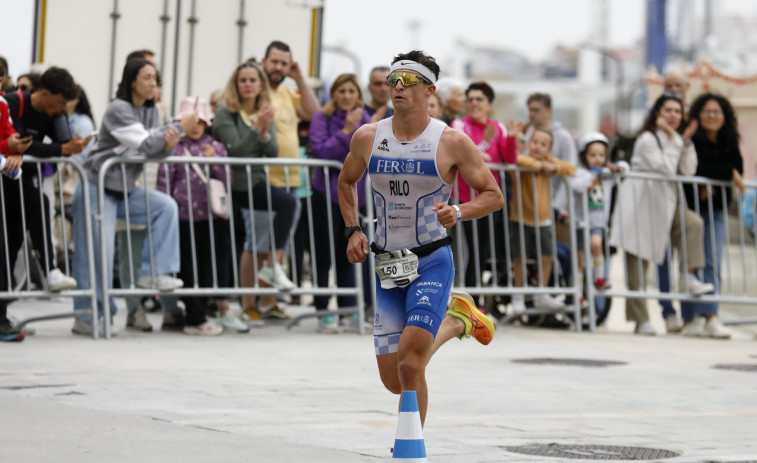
413 160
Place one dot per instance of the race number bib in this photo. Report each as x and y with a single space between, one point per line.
397 268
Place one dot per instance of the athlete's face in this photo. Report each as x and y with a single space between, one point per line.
407 97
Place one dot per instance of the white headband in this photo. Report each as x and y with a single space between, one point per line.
411 65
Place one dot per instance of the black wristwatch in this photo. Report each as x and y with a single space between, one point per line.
350 230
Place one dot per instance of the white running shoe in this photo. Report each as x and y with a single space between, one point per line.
230 322
694 328
518 304
162 282
715 329
696 287
547 302
57 281
275 277
645 329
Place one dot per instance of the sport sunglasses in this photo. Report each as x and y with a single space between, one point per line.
408 79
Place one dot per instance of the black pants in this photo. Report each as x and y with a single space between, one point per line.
344 270
485 254
34 212
195 305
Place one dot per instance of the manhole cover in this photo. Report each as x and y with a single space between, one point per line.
737 366
569 362
593 452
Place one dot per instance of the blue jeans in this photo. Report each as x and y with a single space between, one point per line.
164 223
663 272
713 261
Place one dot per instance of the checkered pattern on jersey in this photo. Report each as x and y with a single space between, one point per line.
380 202
427 227
386 343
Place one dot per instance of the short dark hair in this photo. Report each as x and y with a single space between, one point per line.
542 98
484 87
421 58
279 45
131 71
58 81
144 53
378 68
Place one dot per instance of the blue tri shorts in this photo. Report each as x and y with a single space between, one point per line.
422 303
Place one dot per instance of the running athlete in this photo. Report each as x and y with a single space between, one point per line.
412 161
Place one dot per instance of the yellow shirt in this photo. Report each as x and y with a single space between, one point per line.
286 101
527 180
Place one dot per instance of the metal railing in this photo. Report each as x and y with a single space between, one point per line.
43 248
490 258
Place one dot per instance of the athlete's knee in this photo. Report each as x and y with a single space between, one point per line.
410 368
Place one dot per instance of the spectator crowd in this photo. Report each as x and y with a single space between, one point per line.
174 225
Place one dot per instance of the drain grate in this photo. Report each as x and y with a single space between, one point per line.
737 366
569 362
593 452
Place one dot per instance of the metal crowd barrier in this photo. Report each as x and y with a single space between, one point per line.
235 289
497 266
737 262
42 248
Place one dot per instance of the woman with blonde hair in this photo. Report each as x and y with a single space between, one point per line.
244 124
330 133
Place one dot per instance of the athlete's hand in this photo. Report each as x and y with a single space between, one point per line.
357 248
445 214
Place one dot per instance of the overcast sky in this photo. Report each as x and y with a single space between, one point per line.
532 27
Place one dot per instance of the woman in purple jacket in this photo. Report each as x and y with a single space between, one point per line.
330 134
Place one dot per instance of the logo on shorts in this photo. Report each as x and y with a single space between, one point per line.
425 319
376 320
424 300
384 145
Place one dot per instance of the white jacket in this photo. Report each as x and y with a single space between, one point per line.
644 210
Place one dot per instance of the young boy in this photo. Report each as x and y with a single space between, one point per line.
536 216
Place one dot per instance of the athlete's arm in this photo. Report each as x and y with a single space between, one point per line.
460 152
353 169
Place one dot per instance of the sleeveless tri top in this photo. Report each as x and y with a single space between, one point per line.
406 185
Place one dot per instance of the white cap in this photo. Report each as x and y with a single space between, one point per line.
590 138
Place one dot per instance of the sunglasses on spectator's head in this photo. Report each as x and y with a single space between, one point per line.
407 78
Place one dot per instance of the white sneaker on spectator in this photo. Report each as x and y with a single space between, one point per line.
275 277
547 302
328 325
206 329
645 329
715 329
518 304
696 287
231 322
57 281
673 324
694 328
162 282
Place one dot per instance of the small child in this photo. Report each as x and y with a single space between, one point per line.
592 151
199 144
536 223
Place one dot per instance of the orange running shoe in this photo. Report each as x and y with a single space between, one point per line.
477 324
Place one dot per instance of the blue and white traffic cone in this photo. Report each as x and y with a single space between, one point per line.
409 446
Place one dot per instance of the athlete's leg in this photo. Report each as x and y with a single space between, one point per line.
416 348
452 327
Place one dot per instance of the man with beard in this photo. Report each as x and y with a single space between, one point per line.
290 106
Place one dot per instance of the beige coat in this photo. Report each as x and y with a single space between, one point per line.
649 206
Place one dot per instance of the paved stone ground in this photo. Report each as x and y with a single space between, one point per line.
296 396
